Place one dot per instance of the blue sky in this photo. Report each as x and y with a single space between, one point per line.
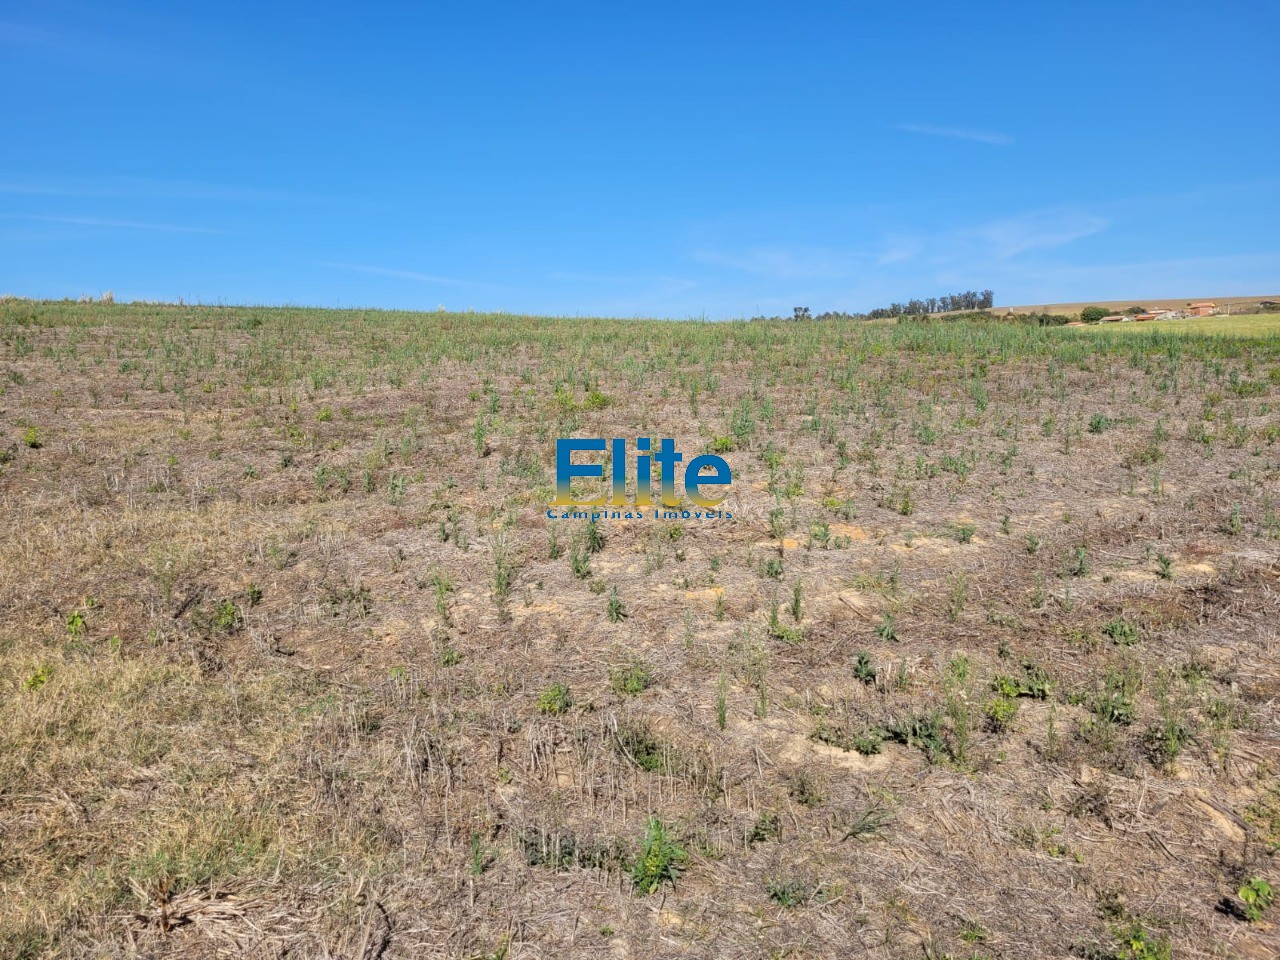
657 159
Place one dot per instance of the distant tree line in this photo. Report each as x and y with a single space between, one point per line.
969 300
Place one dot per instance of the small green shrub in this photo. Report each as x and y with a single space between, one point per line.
481 857
1033 683
1144 455
638 743
795 892
555 700
1098 423
868 742
767 827
886 631
1235 522
1115 703
864 670
35 681
805 790
905 505
1256 895
1001 712
919 730
1164 742
594 537
661 859
781 631
227 617
1078 562
76 625
632 679
722 445
1121 632
1137 944
616 611
1264 815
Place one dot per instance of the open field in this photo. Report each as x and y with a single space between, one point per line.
1118 306
292 663
1246 325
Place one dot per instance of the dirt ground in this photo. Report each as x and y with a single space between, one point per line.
294 664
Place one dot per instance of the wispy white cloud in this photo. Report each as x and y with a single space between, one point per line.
117 42
899 249
111 224
787 262
903 260
1243 274
1036 230
979 245
957 133
398 274
663 283
28 35
142 187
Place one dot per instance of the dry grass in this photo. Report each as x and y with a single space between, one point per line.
263 691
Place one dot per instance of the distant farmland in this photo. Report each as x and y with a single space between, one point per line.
1246 325
292 662
1121 305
